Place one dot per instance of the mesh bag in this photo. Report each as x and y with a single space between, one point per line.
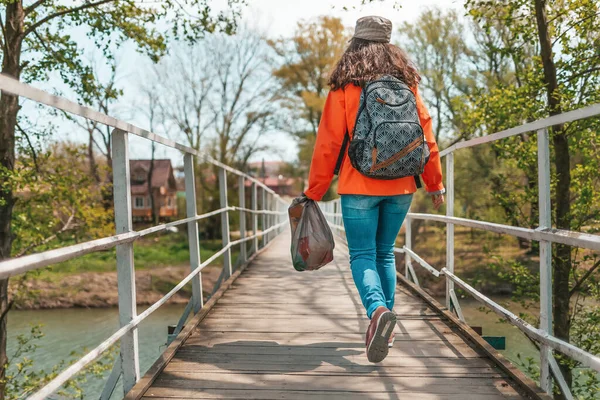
312 240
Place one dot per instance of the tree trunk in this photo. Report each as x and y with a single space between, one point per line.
9 108
91 159
561 258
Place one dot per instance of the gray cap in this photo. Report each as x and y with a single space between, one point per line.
375 29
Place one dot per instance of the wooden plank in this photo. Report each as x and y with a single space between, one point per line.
275 310
328 369
210 338
302 394
178 383
307 325
148 379
332 303
523 381
402 349
337 343
346 360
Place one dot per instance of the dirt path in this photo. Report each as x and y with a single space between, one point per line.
96 290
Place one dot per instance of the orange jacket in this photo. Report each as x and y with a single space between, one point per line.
339 114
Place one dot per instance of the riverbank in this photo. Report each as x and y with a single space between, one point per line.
99 289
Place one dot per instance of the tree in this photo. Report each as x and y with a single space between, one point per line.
219 95
151 109
100 96
36 39
244 95
306 60
563 74
437 43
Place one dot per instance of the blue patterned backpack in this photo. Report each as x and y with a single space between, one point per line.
388 140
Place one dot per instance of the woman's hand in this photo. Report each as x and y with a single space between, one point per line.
437 200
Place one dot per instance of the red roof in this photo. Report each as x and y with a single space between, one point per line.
162 175
161 172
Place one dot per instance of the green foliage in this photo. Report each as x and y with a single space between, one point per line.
52 45
437 44
306 60
57 200
23 378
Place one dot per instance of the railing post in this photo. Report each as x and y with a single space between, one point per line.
225 221
242 191
545 256
449 226
254 216
125 268
263 205
269 216
193 237
408 245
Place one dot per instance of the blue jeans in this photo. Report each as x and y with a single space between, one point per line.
372 224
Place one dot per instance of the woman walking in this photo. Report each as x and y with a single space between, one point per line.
374 106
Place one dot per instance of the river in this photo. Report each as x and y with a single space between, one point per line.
76 329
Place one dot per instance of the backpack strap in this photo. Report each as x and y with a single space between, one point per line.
418 182
340 159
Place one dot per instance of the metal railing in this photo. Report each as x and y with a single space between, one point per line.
272 222
544 234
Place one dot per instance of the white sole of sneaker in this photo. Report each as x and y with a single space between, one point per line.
391 342
378 349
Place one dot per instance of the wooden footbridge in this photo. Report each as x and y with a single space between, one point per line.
274 333
269 332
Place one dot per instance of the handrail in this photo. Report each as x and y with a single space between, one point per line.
569 116
419 260
587 359
20 265
571 238
273 220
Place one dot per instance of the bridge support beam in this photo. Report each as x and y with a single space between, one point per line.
254 206
125 268
243 245
225 222
193 237
545 222
263 204
449 226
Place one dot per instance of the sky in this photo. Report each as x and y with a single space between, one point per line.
279 17
275 18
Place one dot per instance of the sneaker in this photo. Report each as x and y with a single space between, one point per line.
380 330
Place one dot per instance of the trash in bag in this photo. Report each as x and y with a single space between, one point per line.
312 240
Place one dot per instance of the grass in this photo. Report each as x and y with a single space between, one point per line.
159 250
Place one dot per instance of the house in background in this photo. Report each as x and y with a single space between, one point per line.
164 189
272 174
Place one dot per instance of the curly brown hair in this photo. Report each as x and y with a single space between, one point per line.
365 61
